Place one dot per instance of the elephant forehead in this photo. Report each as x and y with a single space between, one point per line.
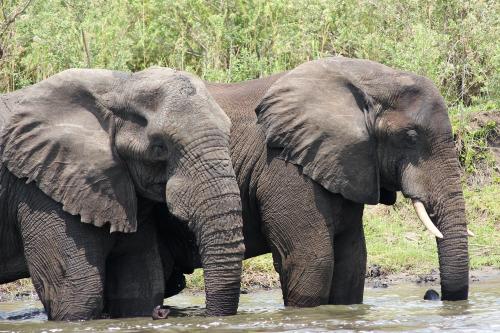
162 95
163 80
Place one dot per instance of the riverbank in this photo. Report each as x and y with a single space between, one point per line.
376 277
397 309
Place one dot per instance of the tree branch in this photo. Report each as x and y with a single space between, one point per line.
9 19
4 11
86 48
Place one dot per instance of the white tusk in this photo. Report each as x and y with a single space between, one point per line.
470 233
426 220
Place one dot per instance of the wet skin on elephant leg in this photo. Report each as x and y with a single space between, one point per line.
298 233
66 258
350 255
134 274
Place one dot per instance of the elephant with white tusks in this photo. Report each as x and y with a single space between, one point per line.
312 146
85 154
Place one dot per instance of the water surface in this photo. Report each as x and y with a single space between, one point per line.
394 309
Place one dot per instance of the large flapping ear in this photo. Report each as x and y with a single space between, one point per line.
58 134
323 120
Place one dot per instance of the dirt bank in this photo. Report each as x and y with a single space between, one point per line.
377 279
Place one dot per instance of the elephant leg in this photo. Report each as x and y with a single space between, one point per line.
134 274
350 257
66 259
292 213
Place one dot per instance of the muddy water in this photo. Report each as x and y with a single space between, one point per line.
397 308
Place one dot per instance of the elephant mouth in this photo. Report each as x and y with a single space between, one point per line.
159 189
153 191
426 220
419 205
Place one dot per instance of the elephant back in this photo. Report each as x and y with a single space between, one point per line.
239 100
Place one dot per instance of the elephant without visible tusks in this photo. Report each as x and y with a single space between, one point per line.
101 147
311 146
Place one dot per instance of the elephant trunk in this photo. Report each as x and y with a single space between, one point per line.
213 209
453 248
447 205
221 249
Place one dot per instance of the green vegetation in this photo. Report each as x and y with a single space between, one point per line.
454 43
258 272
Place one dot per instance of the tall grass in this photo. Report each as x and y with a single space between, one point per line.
453 42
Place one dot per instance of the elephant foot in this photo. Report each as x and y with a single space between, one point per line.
431 295
161 312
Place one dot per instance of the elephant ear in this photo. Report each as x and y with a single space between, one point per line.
58 135
322 120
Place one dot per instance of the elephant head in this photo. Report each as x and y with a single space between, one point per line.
365 131
93 140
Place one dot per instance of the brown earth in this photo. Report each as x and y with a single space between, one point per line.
382 280
481 120
484 169
376 277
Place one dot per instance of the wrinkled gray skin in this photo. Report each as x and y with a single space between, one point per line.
333 135
100 147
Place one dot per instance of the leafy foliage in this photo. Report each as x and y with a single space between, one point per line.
452 42
477 133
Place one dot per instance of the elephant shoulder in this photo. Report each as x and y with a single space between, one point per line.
240 99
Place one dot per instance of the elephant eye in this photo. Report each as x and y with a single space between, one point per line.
129 115
411 137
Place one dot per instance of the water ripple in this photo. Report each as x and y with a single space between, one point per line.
398 308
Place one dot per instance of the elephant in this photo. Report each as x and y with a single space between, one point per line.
86 155
312 146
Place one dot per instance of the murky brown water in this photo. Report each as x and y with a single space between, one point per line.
397 308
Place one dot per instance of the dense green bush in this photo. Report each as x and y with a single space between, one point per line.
453 42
